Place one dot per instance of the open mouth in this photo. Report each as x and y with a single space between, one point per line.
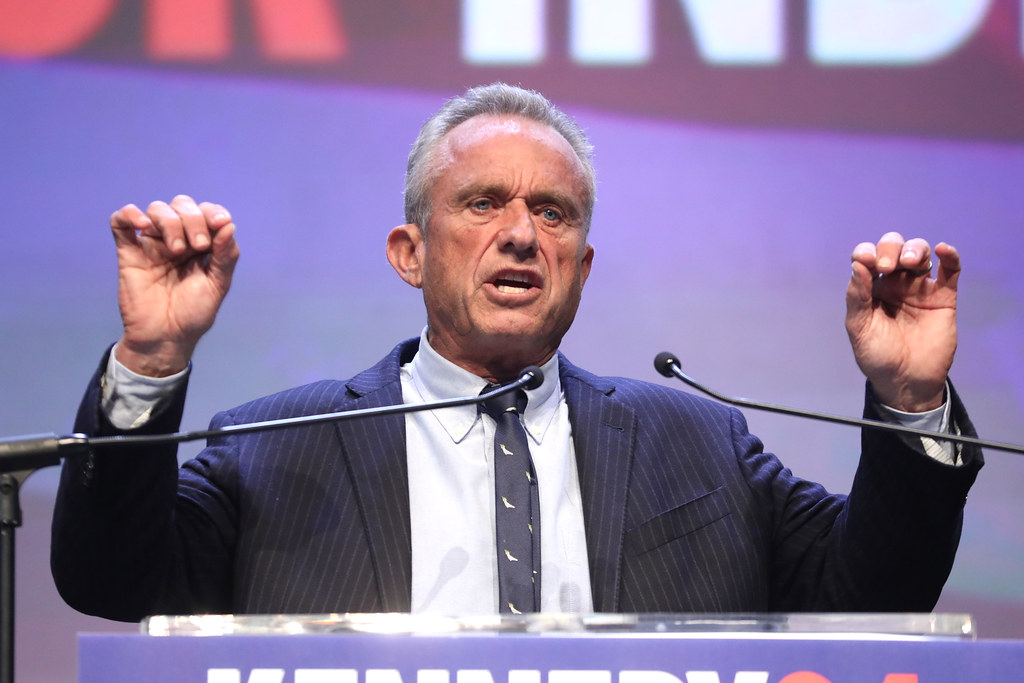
512 283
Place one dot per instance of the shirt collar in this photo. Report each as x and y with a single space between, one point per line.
436 378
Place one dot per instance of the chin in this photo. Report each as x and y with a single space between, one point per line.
527 344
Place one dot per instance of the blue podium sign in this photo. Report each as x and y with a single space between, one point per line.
548 657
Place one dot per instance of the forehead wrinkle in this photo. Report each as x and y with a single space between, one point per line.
475 188
452 147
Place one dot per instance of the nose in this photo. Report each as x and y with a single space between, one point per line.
518 233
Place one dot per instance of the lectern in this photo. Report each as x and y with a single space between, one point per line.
553 648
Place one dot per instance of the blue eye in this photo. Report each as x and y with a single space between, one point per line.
551 215
482 205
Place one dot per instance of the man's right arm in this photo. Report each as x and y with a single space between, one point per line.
114 539
113 510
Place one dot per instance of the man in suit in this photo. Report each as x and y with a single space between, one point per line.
649 499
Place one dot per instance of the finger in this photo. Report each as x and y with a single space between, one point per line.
888 249
865 254
916 256
224 251
858 291
949 265
167 226
126 223
193 223
215 215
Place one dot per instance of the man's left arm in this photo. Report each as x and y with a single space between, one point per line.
902 326
905 507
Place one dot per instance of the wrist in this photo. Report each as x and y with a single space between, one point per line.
910 400
157 359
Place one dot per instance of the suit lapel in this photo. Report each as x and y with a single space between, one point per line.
604 439
375 453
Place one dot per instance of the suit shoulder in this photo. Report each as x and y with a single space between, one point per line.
643 396
378 385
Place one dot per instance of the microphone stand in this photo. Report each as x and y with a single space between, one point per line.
11 480
668 365
20 456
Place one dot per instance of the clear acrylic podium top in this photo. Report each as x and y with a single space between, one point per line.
802 626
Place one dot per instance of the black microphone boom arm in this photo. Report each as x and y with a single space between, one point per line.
668 365
41 450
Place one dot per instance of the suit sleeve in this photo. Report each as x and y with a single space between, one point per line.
888 546
118 544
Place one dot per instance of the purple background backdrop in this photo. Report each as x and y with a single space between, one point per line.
729 200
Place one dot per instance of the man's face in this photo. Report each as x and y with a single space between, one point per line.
505 257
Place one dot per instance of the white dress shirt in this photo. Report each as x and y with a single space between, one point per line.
451 493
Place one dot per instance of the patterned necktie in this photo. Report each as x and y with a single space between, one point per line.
517 506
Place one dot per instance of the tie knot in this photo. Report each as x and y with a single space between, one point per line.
512 402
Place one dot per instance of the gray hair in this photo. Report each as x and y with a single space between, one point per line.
498 99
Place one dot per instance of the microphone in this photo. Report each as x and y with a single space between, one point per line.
668 365
42 450
531 377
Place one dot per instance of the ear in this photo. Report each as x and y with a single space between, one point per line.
405 253
586 262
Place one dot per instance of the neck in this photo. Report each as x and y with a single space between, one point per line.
496 365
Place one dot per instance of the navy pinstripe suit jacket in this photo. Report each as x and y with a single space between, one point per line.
683 511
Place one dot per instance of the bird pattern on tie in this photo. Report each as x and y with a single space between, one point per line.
517 507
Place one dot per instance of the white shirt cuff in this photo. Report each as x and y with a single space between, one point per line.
129 399
937 420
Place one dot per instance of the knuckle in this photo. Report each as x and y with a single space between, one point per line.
184 206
